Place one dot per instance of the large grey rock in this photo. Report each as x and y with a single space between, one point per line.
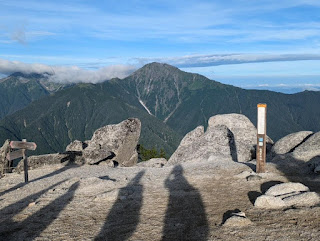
243 134
154 162
76 146
192 136
3 161
302 199
289 142
115 143
196 147
309 149
286 188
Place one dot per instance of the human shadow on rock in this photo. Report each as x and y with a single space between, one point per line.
124 215
31 227
185 217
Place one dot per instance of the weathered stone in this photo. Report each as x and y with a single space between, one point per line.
269 202
289 142
243 134
309 149
286 188
237 220
3 161
112 143
305 199
286 195
154 162
76 146
192 136
96 156
214 142
43 160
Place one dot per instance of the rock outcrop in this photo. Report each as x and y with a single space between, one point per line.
298 153
112 143
243 134
66 158
286 195
290 142
196 147
308 149
43 160
3 161
230 137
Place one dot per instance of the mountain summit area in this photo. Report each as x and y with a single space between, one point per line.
207 190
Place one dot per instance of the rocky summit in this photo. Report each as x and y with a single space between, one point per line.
207 190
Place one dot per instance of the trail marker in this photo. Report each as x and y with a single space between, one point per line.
261 138
23 146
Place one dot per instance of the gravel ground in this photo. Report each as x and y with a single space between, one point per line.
183 202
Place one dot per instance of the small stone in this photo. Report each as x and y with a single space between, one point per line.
32 204
238 219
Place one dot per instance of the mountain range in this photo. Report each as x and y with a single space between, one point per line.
168 101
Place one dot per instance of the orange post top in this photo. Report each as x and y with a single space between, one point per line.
262 105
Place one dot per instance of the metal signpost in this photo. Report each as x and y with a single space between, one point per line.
261 138
22 147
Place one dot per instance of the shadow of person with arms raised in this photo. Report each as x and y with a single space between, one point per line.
124 215
31 227
185 217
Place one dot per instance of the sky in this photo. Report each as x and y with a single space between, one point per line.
247 43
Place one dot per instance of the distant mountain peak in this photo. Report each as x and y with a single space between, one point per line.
161 88
156 68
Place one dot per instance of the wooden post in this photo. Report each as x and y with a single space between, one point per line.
261 138
25 162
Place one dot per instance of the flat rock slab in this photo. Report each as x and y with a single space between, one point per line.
286 188
289 142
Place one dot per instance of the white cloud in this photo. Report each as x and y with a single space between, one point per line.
226 59
67 74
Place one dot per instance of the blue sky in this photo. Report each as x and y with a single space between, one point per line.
241 42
